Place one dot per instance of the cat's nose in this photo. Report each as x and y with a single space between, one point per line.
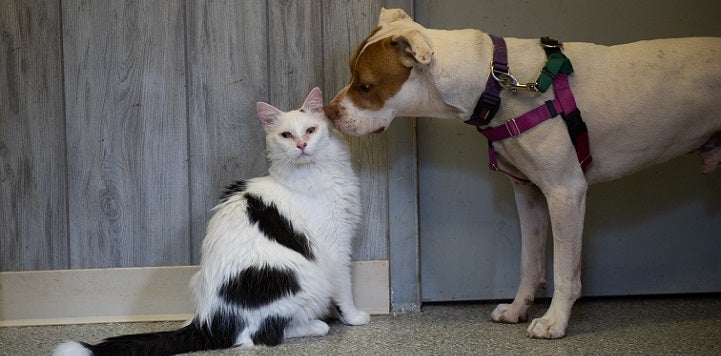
301 145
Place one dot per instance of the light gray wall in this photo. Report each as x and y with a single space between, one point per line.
121 121
653 232
604 22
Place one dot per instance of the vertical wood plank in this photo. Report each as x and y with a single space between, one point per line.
126 133
228 58
295 51
33 225
345 25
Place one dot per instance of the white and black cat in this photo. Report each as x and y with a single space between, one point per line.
276 255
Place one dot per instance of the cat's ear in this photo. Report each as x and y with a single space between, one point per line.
267 114
314 102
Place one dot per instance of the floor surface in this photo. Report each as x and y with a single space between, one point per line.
675 325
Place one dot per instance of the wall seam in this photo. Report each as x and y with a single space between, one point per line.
68 262
188 142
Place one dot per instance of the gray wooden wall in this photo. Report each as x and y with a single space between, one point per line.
121 121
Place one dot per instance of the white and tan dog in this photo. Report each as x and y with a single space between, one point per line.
644 103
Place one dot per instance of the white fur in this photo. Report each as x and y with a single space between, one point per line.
316 190
644 103
71 348
310 328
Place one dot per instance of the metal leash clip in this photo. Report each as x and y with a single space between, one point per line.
508 81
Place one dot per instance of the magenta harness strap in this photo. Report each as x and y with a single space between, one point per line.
564 104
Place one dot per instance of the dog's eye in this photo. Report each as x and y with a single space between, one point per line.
286 134
310 130
364 87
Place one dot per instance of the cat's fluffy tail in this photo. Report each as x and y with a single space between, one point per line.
193 337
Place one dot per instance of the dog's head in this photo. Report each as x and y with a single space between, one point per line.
384 76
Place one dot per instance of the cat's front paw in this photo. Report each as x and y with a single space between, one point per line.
355 317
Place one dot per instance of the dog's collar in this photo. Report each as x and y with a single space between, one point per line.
490 100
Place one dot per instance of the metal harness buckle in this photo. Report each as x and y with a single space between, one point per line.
508 81
547 42
510 128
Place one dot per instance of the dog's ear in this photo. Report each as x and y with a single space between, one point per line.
390 15
414 46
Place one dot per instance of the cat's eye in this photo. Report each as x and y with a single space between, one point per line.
286 134
310 130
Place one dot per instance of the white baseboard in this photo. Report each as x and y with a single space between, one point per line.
137 294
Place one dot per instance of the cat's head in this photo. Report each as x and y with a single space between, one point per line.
298 136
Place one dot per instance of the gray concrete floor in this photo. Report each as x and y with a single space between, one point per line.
675 325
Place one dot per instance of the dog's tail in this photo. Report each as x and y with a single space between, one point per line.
194 337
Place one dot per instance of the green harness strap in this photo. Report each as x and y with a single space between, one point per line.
557 62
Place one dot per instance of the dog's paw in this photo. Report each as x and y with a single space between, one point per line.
545 328
355 317
508 313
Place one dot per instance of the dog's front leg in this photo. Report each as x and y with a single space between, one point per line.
567 206
533 215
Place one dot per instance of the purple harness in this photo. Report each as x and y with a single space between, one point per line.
564 104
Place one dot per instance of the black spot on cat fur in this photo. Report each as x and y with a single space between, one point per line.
276 227
224 328
271 331
255 287
236 187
